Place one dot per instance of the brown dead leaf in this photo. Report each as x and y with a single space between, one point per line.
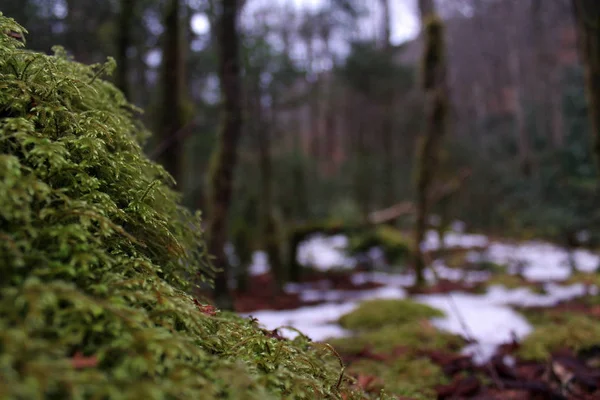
79 361
206 308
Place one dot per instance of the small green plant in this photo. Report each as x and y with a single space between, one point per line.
375 314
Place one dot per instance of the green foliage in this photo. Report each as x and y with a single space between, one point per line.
396 246
375 314
96 255
560 198
374 73
574 332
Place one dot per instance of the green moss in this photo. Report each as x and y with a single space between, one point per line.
396 246
588 279
416 336
511 282
374 314
413 377
573 332
96 255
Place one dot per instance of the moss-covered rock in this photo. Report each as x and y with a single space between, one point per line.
396 246
96 256
375 314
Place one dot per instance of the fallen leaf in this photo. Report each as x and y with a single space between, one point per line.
79 361
206 308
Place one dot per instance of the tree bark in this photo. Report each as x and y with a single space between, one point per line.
225 156
387 23
436 96
587 19
387 123
173 77
77 31
124 43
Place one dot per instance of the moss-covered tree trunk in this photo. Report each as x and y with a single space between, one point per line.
173 81
435 88
587 19
225 155
124 43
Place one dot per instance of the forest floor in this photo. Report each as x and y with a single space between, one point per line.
529 326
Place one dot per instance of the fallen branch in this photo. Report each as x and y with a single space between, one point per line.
391 213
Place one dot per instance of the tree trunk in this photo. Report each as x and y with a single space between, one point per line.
516 68
387 122
387 23
587 19
436 96
123 45
519 114
270 238
172 91
77 31
225 156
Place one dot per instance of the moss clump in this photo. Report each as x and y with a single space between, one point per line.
96 253
574 332
588 279
415 336
412 377
513 282
375 314
396 246
397 325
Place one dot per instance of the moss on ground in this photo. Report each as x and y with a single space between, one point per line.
512 282
388 327
586 278
415 336
378 313
554 332
412 377
96 256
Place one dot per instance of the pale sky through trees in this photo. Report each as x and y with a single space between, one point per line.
405 24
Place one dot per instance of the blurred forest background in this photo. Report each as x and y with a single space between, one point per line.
333 108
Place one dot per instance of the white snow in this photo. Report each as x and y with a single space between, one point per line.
317 322
541 261
260 263
489 318
453 240
323 253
